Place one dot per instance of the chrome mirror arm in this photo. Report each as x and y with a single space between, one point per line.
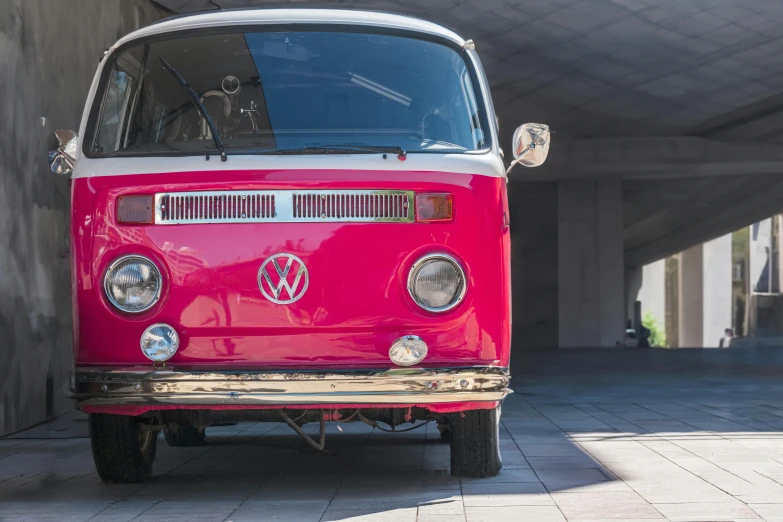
519 158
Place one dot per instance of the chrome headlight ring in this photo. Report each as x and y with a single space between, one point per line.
423 262
153 269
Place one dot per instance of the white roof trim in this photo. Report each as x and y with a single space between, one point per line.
291 16
476 164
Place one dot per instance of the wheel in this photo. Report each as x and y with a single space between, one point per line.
122 451
474 443
185 435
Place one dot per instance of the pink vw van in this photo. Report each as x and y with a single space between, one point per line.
293 216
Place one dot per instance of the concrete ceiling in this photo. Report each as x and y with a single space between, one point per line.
609 67
682 99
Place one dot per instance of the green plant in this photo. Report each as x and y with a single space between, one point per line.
657 334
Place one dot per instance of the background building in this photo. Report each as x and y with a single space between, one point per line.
730 282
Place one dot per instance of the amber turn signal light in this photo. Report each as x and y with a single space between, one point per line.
134 209
434 207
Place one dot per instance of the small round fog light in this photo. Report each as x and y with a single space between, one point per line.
408 350
159 342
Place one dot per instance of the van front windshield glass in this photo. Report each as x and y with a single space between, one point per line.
306 92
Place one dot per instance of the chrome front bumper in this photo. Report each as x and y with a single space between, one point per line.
145 386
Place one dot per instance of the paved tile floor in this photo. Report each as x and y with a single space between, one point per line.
672 438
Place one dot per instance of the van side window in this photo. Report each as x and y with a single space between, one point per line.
473 112
115 109
119 102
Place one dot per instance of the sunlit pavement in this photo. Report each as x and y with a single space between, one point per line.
630 439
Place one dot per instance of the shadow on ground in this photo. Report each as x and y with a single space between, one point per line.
602 435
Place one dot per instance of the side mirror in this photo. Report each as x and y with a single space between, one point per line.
530 145
62 160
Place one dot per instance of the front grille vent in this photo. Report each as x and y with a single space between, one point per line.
352 206
284 206
215 207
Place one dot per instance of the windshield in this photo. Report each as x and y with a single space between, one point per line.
269 92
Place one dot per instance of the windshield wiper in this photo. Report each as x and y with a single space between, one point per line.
200 106
344 149
399 151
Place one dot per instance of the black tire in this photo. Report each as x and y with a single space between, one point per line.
122 451
474 443
185 435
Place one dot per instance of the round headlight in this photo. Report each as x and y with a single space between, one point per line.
132 284
437 282
159 342
408 350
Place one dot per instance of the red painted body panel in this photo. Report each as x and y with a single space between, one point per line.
356 304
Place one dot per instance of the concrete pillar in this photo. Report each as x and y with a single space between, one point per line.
705 293
691 293
533 208
652 293
761 257
633 287
591 300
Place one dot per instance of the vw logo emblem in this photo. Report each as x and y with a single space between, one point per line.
283 278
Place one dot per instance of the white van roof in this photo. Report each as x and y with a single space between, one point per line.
240 17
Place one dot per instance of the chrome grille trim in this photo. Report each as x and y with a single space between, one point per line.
284 206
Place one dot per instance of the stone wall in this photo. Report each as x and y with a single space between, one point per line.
49 52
